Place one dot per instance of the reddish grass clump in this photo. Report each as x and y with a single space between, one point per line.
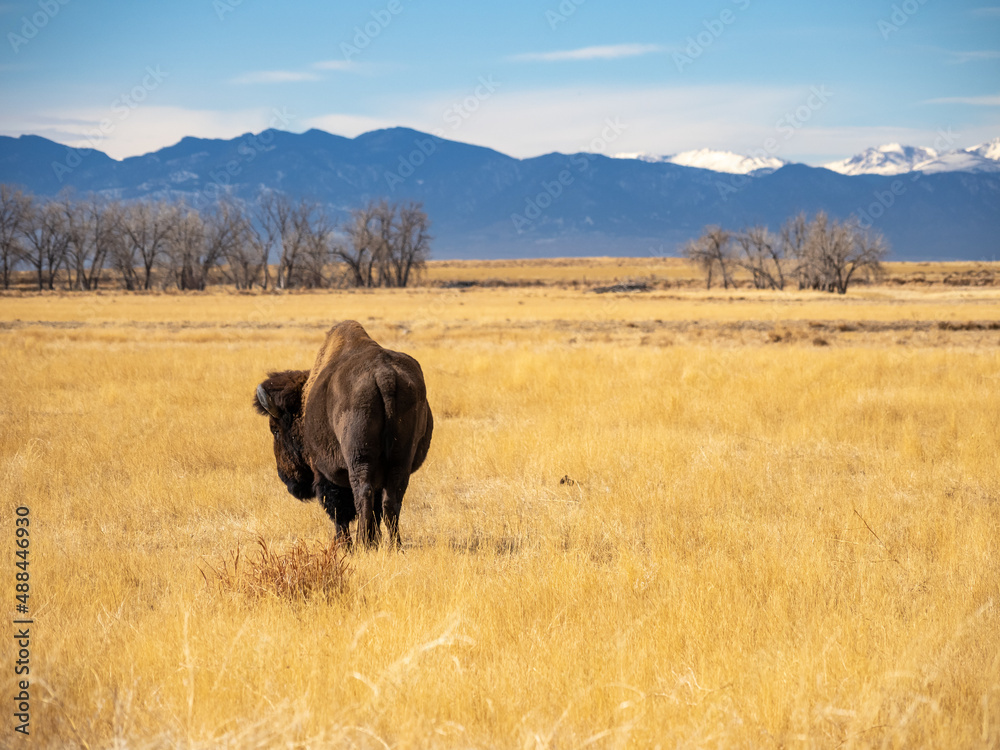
301 572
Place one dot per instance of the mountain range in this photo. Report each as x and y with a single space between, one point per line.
485 204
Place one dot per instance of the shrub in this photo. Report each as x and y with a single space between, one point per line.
305 570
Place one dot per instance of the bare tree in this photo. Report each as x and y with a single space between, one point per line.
763 255
224 230
148 227
185 251
823 254
794 234
830 254
93 226
841 250
409 246
293 226
47 240
386 244
811 236
200 242
282 227
241 255
820 246
15 209
148 243
318 251
264 224
695 252
124 255
710 251
364 248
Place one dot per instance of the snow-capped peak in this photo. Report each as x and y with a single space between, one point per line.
716 161
988 150
893 159
641 156
889 159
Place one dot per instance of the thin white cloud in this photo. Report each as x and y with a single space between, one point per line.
607 52
295 76
958 58
990 100
341 65
990 11
276 76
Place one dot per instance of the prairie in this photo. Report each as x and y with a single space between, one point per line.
677 518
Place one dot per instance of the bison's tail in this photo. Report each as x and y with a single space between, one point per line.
385 379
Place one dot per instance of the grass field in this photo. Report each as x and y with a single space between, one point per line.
670 271
677 518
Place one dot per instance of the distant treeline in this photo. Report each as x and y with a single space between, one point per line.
80 244
822 254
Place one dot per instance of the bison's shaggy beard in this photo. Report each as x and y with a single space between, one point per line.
293 469
298 489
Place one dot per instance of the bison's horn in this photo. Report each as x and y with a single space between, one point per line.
264 399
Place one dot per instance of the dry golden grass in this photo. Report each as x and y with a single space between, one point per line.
562 271
424 310
672 272
764 541
668 272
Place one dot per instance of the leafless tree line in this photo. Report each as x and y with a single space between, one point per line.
275 242
822 254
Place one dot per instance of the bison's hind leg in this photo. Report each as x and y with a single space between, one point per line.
392 502
368 532
338 502
377 509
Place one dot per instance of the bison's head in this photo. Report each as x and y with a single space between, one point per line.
280 399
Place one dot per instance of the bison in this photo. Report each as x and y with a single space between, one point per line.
350 431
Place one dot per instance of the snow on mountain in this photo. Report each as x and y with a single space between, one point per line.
640 156
959 161
716 161
725 161
988 150
887 160
893 159
890 159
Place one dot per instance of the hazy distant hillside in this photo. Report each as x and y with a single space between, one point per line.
485 204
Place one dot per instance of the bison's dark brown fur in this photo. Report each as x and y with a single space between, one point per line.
351 430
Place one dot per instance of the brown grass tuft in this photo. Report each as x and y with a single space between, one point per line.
302 572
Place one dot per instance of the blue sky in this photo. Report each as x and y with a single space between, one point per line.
806 82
